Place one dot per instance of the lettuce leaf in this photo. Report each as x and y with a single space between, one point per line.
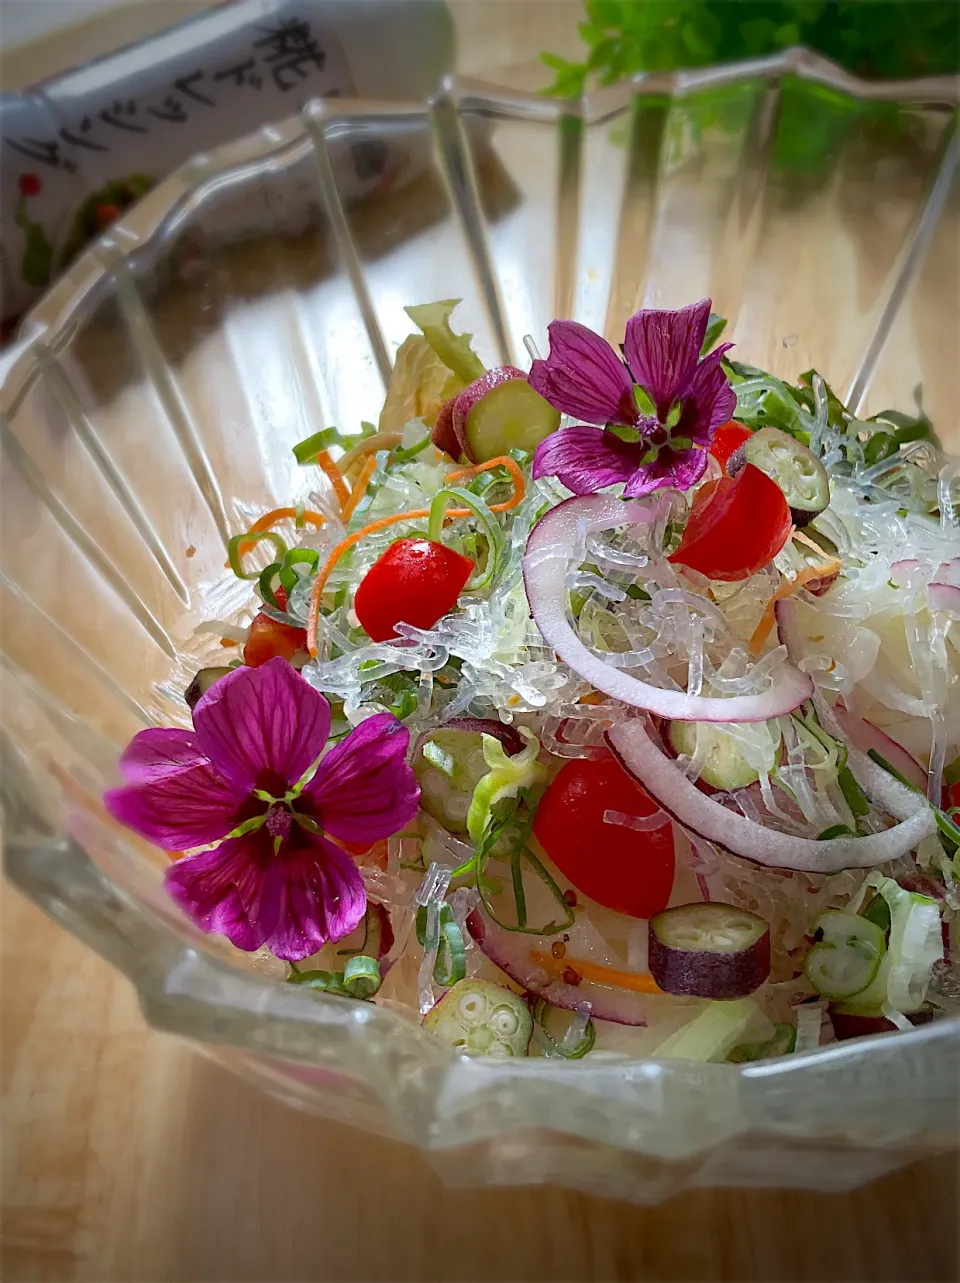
454 350
419 385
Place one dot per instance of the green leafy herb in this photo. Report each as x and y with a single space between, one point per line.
871 38
511 822
715 327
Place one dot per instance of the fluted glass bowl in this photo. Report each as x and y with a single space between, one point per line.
148 412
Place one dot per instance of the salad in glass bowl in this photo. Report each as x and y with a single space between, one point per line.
605 709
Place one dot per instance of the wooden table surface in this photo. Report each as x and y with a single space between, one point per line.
126 1156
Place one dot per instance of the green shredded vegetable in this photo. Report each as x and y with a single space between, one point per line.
481 579
451 963
233 551
553 1047
305 452
454 350
360 978
506 777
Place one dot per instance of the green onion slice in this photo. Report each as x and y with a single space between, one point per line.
403 454
265 585
233 551
480 579
361 976
325 981
296 557
451 963
552 1046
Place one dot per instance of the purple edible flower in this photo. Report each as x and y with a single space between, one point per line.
654 417
247 777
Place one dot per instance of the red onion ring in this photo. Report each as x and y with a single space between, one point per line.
511 739
511 953
690 807
942 596
865 735
549 550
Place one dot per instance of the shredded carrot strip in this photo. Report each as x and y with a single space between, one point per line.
502 461
335 477
416 514
323 574
271 518
638 981
359 488
227 642
787 588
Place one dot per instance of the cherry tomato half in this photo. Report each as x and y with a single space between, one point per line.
728 439
624 869
268 638
736 527
416 581
951 792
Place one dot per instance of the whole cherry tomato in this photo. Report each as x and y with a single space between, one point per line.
622 868
416 581
107 214
727 440
737 526
268 638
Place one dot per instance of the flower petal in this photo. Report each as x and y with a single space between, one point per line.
160 751
175 798
263 727
679 469
235 890
323 898
584 377
708 400
587 459
662 349
363 789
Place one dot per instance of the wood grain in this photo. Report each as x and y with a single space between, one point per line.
127 1158
130 1159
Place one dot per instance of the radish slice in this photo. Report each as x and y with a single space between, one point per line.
866 736
552 545
511 953
695 810
709 951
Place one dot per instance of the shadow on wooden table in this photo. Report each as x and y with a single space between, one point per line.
281 1196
